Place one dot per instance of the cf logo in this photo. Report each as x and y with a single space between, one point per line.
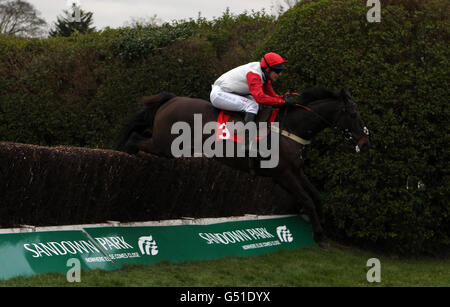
148 246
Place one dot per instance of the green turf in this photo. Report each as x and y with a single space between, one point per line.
342 266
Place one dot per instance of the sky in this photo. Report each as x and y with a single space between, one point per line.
117 13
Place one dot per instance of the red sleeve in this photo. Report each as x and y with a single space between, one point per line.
268 89
256 89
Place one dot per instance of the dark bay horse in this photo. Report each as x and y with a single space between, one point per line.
150 130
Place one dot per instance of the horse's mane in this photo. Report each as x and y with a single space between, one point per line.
316 93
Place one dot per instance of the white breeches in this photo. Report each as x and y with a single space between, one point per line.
232 102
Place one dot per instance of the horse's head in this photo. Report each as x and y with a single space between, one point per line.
351 124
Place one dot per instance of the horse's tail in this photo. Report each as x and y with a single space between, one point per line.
142 121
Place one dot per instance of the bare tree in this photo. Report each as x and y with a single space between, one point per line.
18 17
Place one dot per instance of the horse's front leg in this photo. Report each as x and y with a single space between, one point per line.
313 192
139 143
133 144
292 183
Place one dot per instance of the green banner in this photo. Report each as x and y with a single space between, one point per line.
151 244
24 254
107 248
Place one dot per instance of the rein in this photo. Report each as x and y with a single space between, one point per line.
347 135
288 134
317 115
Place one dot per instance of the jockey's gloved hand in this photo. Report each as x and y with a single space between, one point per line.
291 99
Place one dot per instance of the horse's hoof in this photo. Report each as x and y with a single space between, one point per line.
131 146
324 245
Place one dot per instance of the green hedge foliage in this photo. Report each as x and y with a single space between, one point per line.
77 90
397 195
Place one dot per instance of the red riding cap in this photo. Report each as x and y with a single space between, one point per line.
272 59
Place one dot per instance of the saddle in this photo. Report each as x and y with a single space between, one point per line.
266 114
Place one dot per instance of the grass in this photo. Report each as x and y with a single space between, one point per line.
342 266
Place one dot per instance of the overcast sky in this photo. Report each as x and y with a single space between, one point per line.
116 13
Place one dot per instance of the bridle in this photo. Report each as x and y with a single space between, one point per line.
345 132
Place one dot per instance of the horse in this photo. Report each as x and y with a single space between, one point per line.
149 131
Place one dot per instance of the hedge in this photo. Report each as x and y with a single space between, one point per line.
77 90
397 196
66 185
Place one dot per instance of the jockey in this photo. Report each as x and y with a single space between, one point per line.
245 87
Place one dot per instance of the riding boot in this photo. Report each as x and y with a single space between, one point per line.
249 117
